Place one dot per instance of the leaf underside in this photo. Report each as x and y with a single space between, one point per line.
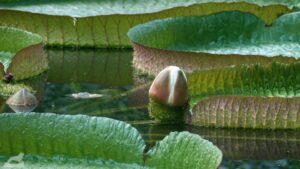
247 96
105 23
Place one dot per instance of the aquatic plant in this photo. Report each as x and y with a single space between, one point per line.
104 23
98 138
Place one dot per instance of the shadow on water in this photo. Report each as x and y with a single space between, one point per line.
125 97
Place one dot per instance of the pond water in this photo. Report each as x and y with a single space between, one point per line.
124 97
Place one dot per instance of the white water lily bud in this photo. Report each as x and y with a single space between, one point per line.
170 87
22 101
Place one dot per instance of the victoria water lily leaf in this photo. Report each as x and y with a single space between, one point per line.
197 152
247 112
274 79
225 39
247 96
104 23
71 136
63 141
112 67
21 53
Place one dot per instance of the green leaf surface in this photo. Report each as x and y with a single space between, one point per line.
8 89
225 33
21 53
275 79
71 136
64 141
5 59
215 41
12 40
37 162
104 23
184 150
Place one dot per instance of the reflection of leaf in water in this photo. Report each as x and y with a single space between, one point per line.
240 144
21 53
111 67
236 144
105 23
97 138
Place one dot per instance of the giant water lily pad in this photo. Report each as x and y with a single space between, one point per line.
246 96
216 41
59 137
21 53
104 23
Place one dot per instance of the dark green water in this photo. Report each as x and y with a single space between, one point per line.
125 98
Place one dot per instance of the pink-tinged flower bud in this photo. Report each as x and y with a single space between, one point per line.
22 101
170 87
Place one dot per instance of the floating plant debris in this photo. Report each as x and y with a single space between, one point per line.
85 95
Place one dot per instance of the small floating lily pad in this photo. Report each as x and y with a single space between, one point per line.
21 53
104 23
